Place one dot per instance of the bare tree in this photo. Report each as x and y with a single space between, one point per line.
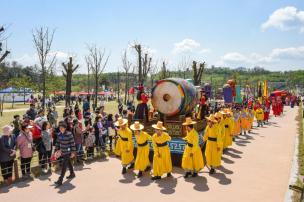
197 72
89 67
126 65
2 38
183 66
98 59
153 71
138 49
43 39
146 66
69 69
164 71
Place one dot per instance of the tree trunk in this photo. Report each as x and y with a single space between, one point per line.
96 90
23 95
88 81
126 87
4 56
43 88
118 86
140 79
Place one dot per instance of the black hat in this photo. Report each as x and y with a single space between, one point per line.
63 125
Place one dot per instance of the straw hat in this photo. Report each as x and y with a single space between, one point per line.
121 122
159 126
218 115
136 126
189 121
7 130
224 112
211 118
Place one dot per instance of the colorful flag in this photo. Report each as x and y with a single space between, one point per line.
260 93
238 98
265 93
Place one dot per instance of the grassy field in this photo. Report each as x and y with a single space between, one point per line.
18 105
296 196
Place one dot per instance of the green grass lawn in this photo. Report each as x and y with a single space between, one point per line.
18 105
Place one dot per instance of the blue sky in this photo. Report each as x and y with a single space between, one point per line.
230 33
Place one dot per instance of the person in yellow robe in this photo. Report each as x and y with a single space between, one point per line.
251 119
126 144
162 162
213 145
244 121
259 115
192 161
220 129
228 126
237 123
142 161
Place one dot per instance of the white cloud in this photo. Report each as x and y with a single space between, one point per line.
277 56
186 46
285 19
205 50
288 53
150 51
32 59
234 57
27 59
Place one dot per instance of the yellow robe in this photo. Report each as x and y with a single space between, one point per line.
259 114
126 144
142 157
117 150
162 157
228 126
213 148
219 127
237 124
194 163
245 120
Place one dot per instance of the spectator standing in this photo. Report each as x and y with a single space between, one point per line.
65 146
7 154
25 146
47 142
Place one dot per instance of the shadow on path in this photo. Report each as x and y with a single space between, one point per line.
200 183
167 185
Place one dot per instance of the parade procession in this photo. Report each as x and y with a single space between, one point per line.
184 130
152 101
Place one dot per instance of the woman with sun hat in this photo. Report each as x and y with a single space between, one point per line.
142 161
192 161
126 144
162 162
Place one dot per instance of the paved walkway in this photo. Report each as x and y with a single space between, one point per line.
23 109
256 168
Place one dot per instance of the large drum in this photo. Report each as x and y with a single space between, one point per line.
174 96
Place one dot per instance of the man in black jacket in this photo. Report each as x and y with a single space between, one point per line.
65 145
31 112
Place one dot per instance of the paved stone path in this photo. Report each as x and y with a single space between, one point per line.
256 168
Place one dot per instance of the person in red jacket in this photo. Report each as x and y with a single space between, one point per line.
142 112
